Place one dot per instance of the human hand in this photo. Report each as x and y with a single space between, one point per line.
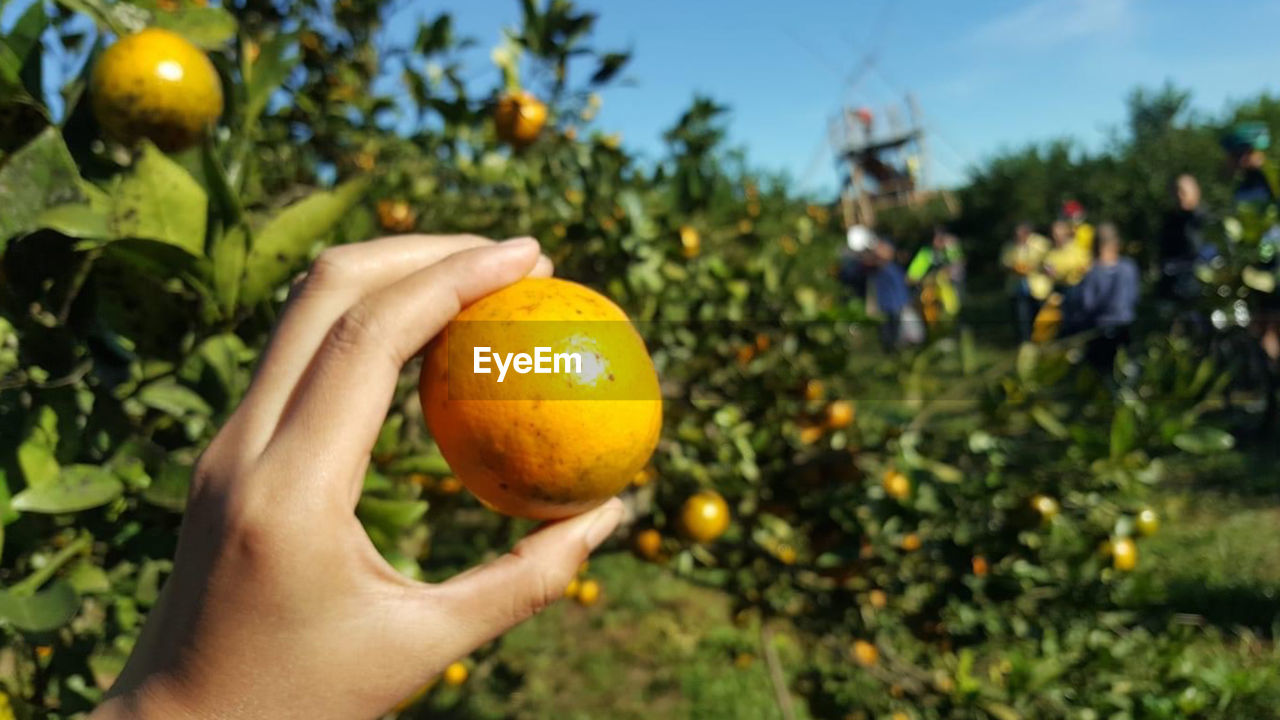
279 606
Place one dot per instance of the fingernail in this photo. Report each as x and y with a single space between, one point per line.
605 522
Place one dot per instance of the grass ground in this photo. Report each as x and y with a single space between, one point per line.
654 647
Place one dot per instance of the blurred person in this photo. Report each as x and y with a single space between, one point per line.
889 284
1028 286
938 270
855 260
1073 212
1258 186
1181 242
1066 264
1257 181
1109 299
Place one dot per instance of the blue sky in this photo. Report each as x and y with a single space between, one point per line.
987 73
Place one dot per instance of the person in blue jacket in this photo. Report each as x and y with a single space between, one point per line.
1108 298
889 283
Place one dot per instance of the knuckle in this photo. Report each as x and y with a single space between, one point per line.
330 266
355 329
543 585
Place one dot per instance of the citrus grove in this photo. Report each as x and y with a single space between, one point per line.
943 538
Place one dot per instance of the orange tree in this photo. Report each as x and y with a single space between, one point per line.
940 559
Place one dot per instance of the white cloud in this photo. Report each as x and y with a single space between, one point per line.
1046 23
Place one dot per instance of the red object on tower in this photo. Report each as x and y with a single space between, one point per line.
864 116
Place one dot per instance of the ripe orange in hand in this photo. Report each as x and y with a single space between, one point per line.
535 444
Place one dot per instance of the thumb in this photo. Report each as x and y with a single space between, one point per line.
476 606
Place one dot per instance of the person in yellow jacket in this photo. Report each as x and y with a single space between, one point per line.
1073 213
1028 285
1066 264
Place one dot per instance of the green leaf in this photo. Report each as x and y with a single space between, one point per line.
1047 420
120 18
87 578
170 398
169 487
1204 440
41 612
87 220
284 242
24 38
206 27
1123 431
391 515
159 200
427 464
223 354
37 454
40 175
265 75
229 253
1000 711
78 487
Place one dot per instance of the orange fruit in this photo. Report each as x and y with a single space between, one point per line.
648 544
396 216
519 118
839 414
911 542
786 554
704 516
573 588
745 354
810 434
864 653
896 484
155 85
455 674
546 438
763 342
588 593
690 241
878 599
1124 554
449 486
1046 506
814 390
980 566
1148 522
